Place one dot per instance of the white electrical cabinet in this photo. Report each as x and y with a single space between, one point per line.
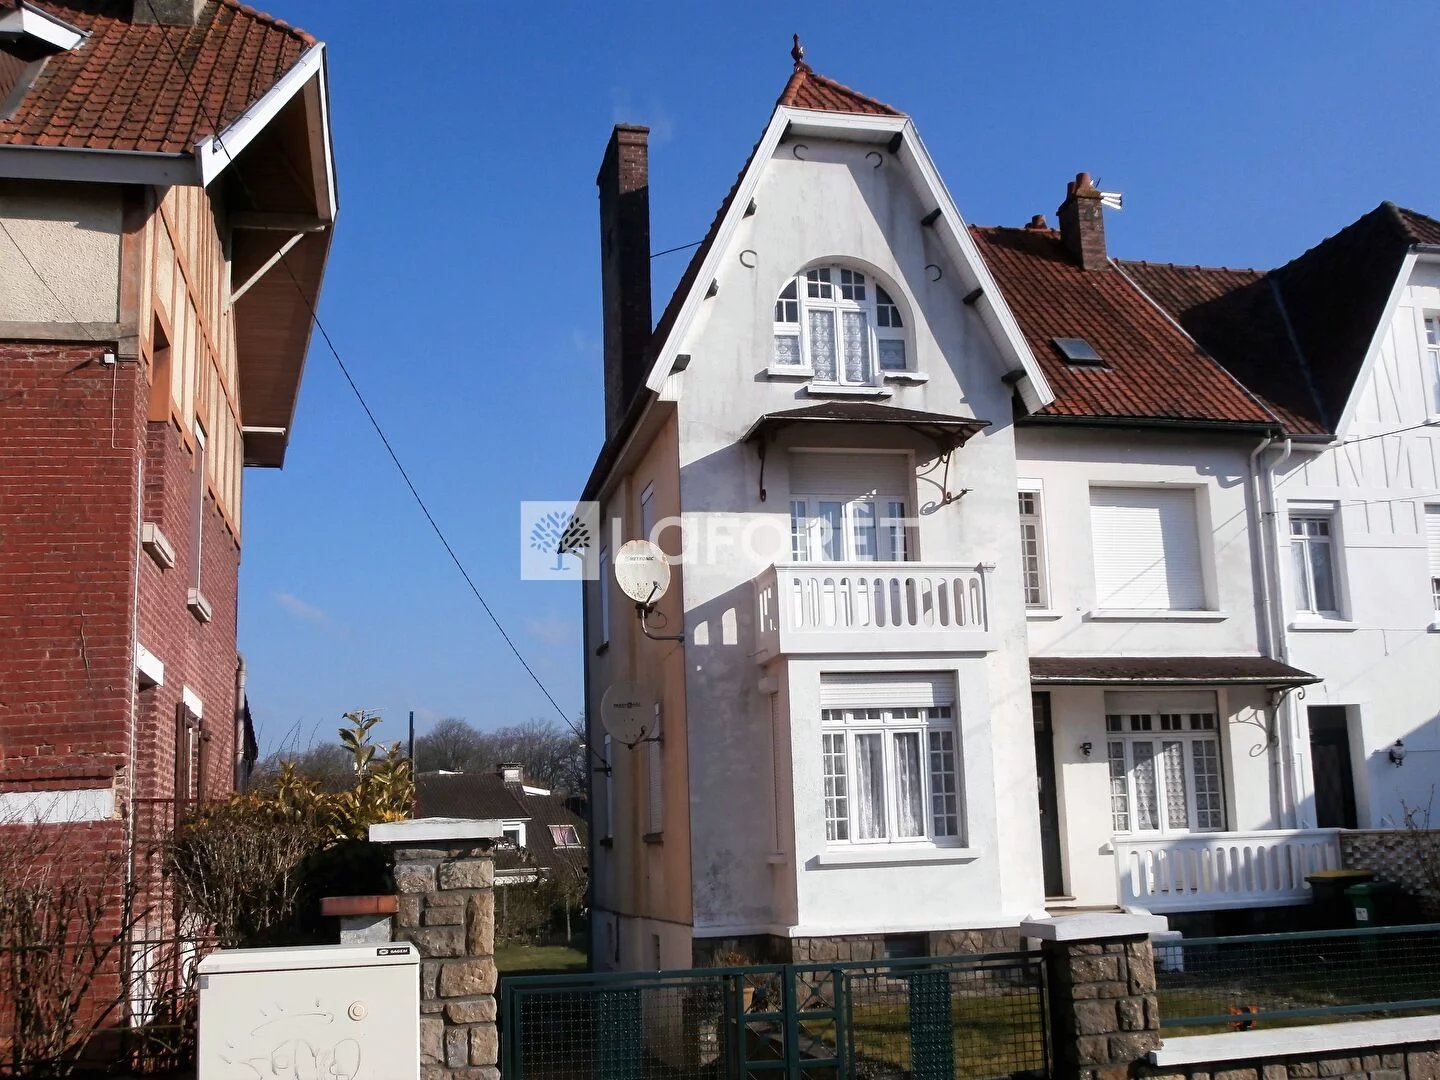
341 1012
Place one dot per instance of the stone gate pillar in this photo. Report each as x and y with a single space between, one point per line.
445 905
1104 1017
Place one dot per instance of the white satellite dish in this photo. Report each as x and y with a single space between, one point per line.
642 571
627 710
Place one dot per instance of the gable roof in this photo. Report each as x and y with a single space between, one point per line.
1153 369
807 90
467 795
126 87
1297 336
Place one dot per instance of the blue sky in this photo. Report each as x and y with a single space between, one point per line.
463 287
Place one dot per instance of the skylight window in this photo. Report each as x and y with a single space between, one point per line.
1078 351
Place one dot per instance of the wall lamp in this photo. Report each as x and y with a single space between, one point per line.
1397 753
1086 748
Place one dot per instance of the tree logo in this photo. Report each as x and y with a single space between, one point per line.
559 541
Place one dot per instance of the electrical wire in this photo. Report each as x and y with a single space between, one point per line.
682 247
374 421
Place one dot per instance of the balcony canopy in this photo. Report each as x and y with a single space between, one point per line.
1166 671
948 432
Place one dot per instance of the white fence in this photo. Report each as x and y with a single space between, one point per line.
1208 871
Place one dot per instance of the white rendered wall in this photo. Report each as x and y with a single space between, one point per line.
1382 659
744 809
71 235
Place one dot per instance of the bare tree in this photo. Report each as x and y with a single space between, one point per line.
550 752
328 763
454 746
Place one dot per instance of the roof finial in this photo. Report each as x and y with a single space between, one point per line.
797 53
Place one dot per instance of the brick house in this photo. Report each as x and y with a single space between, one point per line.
157 160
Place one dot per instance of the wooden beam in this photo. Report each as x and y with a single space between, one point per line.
236 294
290 223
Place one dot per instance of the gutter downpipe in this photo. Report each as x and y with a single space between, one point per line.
240 778
1285 774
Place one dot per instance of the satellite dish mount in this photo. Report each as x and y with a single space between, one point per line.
629 714
643 573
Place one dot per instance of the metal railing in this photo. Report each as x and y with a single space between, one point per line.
1212 871
956 1017
848 607
1254 980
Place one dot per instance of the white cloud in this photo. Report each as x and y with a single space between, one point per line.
653 115
301 610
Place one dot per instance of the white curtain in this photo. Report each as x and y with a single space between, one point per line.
909 788
870 787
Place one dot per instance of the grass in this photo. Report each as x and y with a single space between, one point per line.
539 960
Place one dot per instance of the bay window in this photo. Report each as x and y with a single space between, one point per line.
838 326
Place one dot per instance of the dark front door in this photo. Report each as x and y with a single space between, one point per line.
1049 804
1330 764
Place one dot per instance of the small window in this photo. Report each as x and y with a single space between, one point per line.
1147 551
564 836
1432 545
1078 351
1032 550
1313 561
1432 354
514 835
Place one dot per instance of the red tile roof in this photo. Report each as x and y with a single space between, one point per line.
123 88
807 90
1152 370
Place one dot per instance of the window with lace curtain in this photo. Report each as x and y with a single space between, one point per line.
1164 772
892 775
838 326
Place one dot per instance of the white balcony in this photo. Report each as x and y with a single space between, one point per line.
871 608
1210 871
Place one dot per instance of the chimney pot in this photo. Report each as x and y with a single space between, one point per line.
624 184
1038 222
1082 223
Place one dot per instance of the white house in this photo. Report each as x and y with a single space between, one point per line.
960 517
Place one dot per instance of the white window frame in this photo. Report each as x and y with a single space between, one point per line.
1431 519
808 534
1430 343
830 281
516 827
1034 520
558 832
845 723
1106 608
1303 601
602 604
1127 730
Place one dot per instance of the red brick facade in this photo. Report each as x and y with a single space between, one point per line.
77 591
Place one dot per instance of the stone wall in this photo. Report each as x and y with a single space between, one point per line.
1416 1062
768 949
446 907
1410 857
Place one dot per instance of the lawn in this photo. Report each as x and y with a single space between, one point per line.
539 960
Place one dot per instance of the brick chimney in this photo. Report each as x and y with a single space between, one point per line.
1082 223
167 12
624 183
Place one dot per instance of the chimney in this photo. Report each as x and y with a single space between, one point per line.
511 772
1082 223
166 12
624 183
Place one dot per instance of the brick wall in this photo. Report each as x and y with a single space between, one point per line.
68 480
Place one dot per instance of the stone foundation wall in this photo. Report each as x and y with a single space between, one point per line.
1416 1062
446 907
768 949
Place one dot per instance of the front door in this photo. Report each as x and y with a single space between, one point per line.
1330 764
1049 803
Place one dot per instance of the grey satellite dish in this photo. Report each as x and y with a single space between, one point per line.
642 571
627 710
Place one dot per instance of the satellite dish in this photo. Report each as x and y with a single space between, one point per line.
642 571
627 710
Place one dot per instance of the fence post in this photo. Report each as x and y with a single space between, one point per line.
444 877
1100 970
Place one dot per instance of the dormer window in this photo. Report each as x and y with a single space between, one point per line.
837 326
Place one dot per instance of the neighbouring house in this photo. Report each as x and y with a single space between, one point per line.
167 194
542 832
971 514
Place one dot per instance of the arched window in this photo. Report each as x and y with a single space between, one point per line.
839 326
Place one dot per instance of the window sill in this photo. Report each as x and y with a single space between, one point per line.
1043 614
1303 623
905 376
1152 615
784 371
654 838
896 855
836 390
154 544
199 606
